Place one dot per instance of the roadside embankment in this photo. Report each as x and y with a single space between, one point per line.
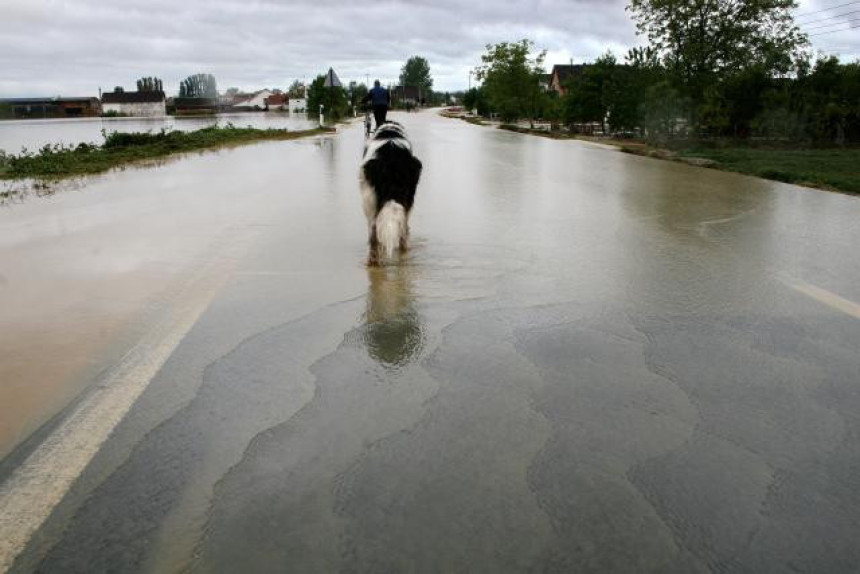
58 161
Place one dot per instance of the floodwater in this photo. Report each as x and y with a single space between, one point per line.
587 362
33 134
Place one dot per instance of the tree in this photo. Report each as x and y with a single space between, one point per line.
590 97
356 93
511 79
198 86
476 99
333 99
701 41
149 84
296 90
416 72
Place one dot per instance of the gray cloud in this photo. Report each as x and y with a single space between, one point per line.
73 47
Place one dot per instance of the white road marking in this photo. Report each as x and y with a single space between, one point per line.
825 297
32 491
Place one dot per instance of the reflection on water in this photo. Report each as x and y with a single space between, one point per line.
394 333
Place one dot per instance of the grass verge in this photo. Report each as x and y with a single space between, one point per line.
58 161
832 169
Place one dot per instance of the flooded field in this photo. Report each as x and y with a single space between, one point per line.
587 362
33 134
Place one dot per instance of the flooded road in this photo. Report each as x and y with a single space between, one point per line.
587 362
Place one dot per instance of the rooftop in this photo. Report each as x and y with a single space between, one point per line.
132 97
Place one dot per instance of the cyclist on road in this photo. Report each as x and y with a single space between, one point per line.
379 99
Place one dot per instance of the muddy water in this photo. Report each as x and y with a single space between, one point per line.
586 362
33 134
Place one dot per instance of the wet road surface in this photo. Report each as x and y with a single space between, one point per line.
587 362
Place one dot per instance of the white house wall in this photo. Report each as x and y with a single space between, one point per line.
298 105
137 109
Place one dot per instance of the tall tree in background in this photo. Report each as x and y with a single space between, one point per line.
149 84
198 86
296 90
511 79
416 72
702 41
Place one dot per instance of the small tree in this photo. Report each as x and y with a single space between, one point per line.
416 72
511 79
476 99
296 90
590 98
333 100
356 93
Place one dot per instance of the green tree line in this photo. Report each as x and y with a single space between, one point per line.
711 68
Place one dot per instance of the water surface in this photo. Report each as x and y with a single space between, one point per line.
33 134
587 362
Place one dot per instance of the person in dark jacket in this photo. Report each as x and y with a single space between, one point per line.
379 99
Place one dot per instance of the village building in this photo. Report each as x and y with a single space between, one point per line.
405 95
251 102
196 106
562 74
139 104
276 102
297 105
58 107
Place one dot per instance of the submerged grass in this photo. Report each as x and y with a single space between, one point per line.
56 161
828 168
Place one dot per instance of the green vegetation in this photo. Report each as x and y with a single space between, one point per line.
334 100
722 83
416 72
150 84
199 86
356 93
511 77
296 90
122 148
827 168
711 70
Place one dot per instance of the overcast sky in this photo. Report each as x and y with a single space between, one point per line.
75 47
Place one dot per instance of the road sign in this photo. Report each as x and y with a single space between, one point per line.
331 80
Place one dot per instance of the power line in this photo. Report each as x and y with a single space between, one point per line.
852 21
826 9
837 31
819 27
829 18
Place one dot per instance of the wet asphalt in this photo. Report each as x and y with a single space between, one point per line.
587 362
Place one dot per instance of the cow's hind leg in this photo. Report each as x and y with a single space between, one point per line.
373 253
